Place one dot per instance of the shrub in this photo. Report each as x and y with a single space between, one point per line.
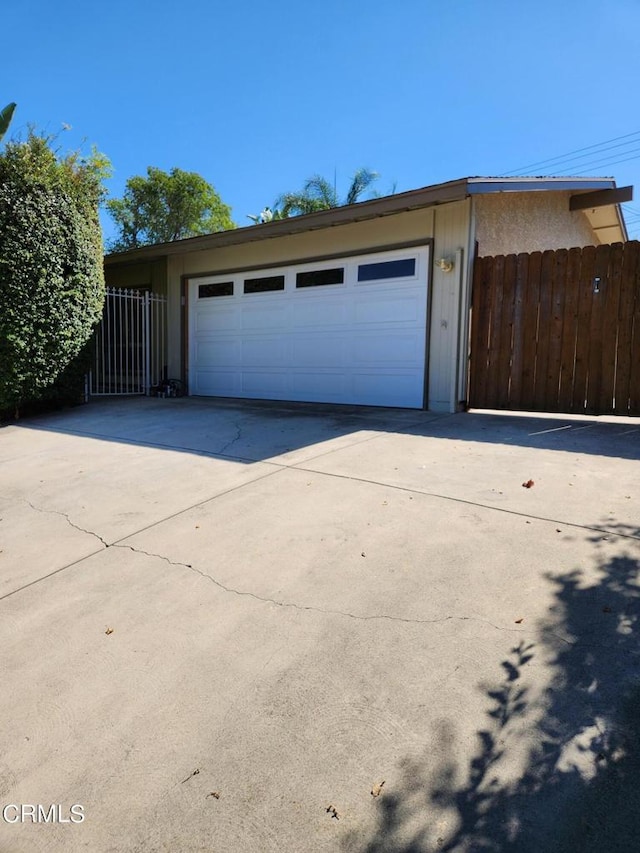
51 272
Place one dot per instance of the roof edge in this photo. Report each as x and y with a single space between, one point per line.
430 196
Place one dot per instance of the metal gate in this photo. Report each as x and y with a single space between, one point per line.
130 343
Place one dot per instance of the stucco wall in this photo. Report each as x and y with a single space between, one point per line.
513 222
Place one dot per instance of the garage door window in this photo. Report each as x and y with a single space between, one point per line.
318 278
208 291
264 284
405 268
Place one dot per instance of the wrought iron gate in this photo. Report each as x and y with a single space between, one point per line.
130 343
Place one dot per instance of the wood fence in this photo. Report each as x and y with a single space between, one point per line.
557 331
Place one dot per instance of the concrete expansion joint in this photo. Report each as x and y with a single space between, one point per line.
68 520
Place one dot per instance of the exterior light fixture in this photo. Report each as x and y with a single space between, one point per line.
445 264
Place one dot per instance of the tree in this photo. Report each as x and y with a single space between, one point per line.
319 194
166 206
51 268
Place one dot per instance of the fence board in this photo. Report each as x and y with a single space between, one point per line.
494 353
556 323
530 336
569 330
480 308
610 303
544 324
594 369
519 325
585 302
628 296
506 332
634 380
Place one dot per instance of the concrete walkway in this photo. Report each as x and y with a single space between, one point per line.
242 627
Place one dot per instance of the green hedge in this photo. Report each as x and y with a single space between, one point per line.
51 273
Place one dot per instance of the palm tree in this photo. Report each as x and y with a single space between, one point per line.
318 194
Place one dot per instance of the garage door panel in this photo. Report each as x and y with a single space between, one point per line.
266 316
222 353
384 350
330 386
385 308
320 351
217 319
329 312
263 352
218 383
265 384
397 388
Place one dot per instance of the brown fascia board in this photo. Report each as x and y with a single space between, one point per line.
387 205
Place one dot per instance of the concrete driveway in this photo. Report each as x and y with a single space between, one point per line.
241 627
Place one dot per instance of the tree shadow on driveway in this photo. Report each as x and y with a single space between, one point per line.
577 782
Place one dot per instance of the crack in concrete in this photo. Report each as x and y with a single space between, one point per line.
229 444
267 600
308 607
68 520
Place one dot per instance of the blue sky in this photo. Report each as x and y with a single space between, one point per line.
257 96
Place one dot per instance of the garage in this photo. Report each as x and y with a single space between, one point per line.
341 330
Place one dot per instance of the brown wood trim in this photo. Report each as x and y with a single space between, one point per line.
600 198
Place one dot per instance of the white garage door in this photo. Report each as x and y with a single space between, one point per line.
340 331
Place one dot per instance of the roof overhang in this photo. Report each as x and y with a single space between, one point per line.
425 197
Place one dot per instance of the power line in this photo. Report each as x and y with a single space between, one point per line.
589 158
563 157
604 163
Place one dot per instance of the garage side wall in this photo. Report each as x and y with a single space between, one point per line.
512 222
449 307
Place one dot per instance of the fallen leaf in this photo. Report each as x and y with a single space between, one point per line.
519 621
109 631
377 789
214 794
528 484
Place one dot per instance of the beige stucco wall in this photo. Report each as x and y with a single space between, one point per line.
512 222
